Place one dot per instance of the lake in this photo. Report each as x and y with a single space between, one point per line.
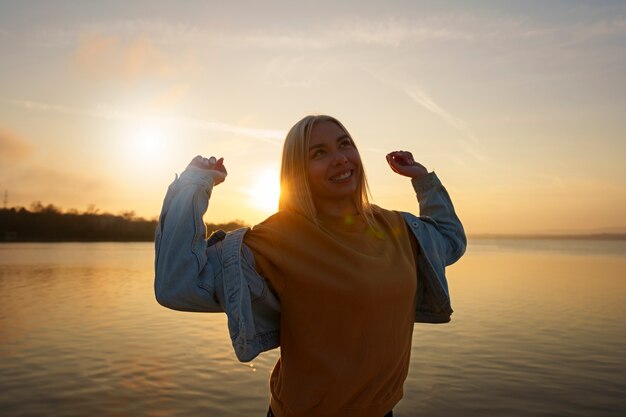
539 329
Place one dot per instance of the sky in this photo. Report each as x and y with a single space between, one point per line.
517 106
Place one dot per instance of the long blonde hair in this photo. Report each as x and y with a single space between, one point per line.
295 191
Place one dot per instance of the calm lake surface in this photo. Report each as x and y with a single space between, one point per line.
539 329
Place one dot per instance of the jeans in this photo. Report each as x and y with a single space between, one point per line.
270 414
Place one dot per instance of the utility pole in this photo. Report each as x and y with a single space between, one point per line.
6 198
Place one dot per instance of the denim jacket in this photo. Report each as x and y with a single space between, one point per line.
218 274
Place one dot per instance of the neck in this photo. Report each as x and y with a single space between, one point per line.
336 208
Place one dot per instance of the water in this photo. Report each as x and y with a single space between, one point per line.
539 329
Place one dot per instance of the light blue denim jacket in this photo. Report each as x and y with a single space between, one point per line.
193 273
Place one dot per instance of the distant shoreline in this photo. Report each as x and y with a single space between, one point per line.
481 236
538 236
50 224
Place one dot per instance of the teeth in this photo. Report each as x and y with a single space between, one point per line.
343 176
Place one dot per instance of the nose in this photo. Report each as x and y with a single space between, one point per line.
339 158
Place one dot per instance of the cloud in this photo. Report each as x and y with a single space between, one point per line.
267 135
13 147
422 99
485 28
614 27
102 112
42 183
344 32
470 144
171 97
411 26
112 57
160 32
40 178
145 40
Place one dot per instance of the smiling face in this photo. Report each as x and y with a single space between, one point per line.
334 169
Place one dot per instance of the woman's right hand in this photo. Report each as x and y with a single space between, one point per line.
402 162
210 164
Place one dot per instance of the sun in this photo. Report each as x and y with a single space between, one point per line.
265 191
148 141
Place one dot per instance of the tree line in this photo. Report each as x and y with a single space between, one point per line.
49 223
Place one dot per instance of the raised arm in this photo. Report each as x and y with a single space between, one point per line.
184 274
444 229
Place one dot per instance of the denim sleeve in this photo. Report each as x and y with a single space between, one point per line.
185 266
442 223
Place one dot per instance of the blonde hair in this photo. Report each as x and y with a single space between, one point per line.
295 191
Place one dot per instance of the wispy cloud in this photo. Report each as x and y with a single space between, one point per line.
102 112
171 97
549 181
267 135
109 56
470 144
38 182
341 32
613 26
354 32
491 29
467 28
13 147
422 99
346 31
425 101
161 32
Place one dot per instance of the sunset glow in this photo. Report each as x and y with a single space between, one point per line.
265 191
148 142
519 109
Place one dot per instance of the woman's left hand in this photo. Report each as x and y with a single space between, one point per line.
402 162
210 164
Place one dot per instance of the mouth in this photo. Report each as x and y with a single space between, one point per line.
342 176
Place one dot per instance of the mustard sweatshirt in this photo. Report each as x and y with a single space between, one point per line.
347 297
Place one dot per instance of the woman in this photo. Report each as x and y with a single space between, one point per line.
335 281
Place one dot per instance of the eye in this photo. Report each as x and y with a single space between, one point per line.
345 143
318 153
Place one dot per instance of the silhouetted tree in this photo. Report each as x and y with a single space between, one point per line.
50 223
